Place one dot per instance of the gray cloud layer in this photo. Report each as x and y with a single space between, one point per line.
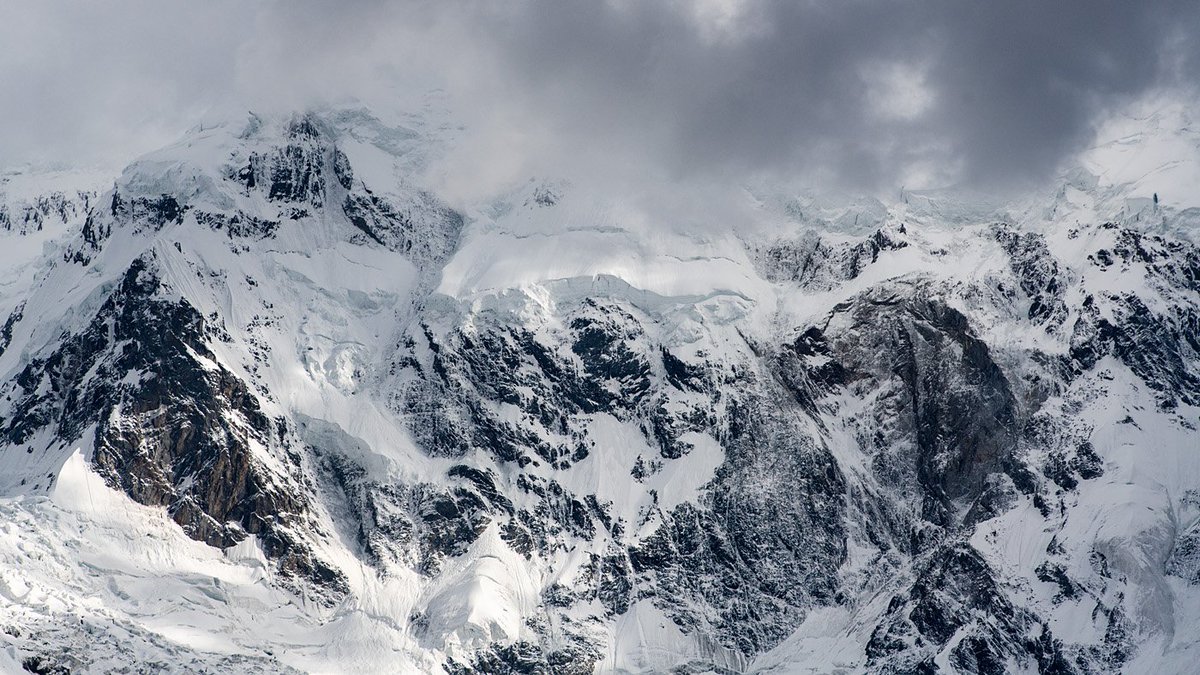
861 93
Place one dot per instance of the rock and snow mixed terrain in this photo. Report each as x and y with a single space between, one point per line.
269 404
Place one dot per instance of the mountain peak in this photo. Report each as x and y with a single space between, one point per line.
551 432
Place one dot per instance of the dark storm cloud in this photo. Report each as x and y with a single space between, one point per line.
1011 86
860 94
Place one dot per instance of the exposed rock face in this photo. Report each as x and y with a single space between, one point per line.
27 217
297 171
1159 344
746 566
944 414
1038 274
171 426
425 229
887 448
415 526
956 597
301 175
818 264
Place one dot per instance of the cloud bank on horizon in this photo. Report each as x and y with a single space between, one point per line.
858 95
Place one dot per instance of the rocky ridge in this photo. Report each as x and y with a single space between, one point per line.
958 446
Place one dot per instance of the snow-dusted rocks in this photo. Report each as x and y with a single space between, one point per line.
270 402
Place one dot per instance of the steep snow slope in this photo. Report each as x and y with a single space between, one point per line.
269 403
39 210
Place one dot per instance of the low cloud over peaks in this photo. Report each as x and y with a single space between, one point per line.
863 95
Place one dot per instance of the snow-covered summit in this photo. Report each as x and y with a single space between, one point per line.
269 401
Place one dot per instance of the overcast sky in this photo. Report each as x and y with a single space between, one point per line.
857 94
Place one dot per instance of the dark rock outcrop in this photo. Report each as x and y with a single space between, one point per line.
172 426
944 416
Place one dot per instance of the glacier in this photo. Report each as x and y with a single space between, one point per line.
272 404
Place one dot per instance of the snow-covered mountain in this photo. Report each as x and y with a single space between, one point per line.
271 404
